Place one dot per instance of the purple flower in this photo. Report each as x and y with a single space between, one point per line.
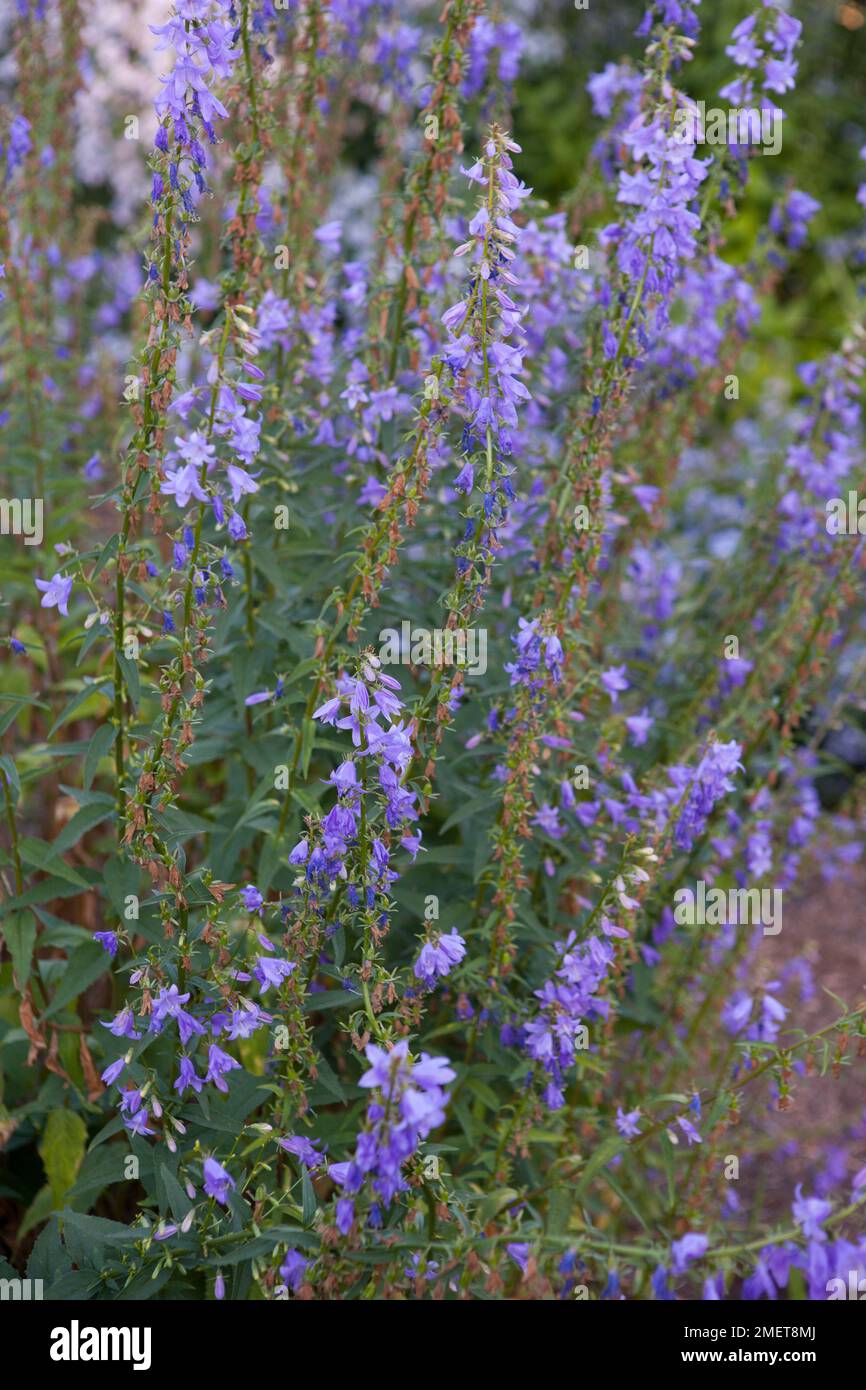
293 1269
123 1024
55 593
691 1247
789 220
328 236
219 1063
136 1123
660 1285
547 819
809 1213
710 781
438 959
639 726
412 1104
168 1004
299 854
187 1076
240 482
519 1252
113 1071
270 971
302 1149
628 1124
614 681
413 1270
217 1181
252 898
182 484
329 711
345 1214
689 1130
758 1283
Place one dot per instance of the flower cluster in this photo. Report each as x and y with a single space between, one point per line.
408 1103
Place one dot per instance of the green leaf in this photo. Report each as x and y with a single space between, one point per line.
302 669
19 933
175 1196
495 1202
80 698
131 679
105 554
19 703
484 1093
309 1198
45 892
329 1079
75 1286
59 932
465 810
40 855
87 962
147 1284
559 1208
83 820
308 739
64 1140
99 745
39 1210
607 1150
86 1237
270 860
48 1259
332 999
10 772
121 881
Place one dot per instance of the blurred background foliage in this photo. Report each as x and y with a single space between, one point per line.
825 129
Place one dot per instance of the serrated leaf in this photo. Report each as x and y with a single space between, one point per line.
48 1259
87 1237
61 1149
